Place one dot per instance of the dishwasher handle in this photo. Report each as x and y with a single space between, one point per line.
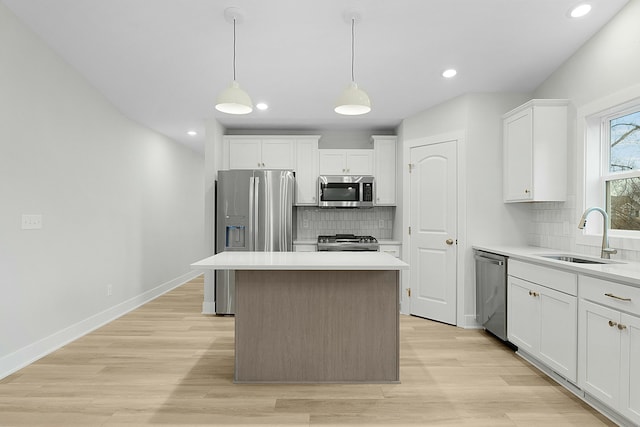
489 260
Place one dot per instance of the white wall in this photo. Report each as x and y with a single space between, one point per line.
485 218
606 64
121 204
213 163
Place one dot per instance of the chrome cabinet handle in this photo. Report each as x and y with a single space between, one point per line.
449 242
533 294
617 297
612 323
621 326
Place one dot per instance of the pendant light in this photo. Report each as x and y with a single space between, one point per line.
353 101
234 100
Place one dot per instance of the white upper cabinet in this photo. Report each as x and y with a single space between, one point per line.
307 171
384 152
244 153
294 152
346 162
535 151
259 152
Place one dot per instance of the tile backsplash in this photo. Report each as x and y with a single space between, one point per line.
376 222
555 226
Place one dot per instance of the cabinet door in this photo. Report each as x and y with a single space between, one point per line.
559 332
385 171
630 373
333 162
306 172
600 352
245 153
359 162
523 315
278 153
518 156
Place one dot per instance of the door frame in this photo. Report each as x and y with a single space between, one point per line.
459 136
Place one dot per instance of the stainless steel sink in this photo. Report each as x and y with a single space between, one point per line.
578 260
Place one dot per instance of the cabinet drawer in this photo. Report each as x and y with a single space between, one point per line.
304 247
612 294
391 250
559 280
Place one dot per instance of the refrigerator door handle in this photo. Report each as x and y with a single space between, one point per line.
256 214
252 208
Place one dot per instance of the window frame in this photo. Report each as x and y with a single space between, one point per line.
593 165
606 175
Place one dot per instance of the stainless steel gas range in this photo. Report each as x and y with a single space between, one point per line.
347 242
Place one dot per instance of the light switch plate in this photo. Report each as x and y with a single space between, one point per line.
31 221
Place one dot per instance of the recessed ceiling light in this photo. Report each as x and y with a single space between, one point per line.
580 10
261 106
449 73
192 133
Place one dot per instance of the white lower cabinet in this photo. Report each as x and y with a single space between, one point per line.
543 323
391 249
609 353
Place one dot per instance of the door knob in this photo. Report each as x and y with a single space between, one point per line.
449 242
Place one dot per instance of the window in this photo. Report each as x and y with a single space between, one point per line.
621 169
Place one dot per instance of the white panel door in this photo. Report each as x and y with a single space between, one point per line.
245 153
359 162
518 156
278 153
433 231
600 341
332 162
630 375
307 172
559 332
523 315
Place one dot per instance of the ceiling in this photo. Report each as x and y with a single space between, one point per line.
163 62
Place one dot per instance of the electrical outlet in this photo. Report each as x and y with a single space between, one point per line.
31 221
109 290
381 223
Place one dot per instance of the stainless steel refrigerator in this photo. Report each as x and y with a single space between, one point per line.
254 212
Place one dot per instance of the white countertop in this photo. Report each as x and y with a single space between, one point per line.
615 269
301 261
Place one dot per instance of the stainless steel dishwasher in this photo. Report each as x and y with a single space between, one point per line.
491 292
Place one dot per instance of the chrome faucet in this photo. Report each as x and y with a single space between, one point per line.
606 250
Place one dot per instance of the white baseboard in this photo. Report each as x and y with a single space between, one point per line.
29 354
209 307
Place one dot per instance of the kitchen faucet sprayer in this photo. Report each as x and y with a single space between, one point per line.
606 250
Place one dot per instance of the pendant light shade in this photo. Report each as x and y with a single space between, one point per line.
353 101
234 100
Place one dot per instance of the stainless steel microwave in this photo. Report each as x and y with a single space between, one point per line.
346 191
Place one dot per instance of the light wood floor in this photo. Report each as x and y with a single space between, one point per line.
166 364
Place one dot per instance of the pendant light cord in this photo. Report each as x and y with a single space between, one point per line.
234 49
353 23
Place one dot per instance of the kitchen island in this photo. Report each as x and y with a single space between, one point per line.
314 316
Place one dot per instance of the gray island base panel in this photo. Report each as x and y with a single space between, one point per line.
311 326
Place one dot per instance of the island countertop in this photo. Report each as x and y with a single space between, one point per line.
301 261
